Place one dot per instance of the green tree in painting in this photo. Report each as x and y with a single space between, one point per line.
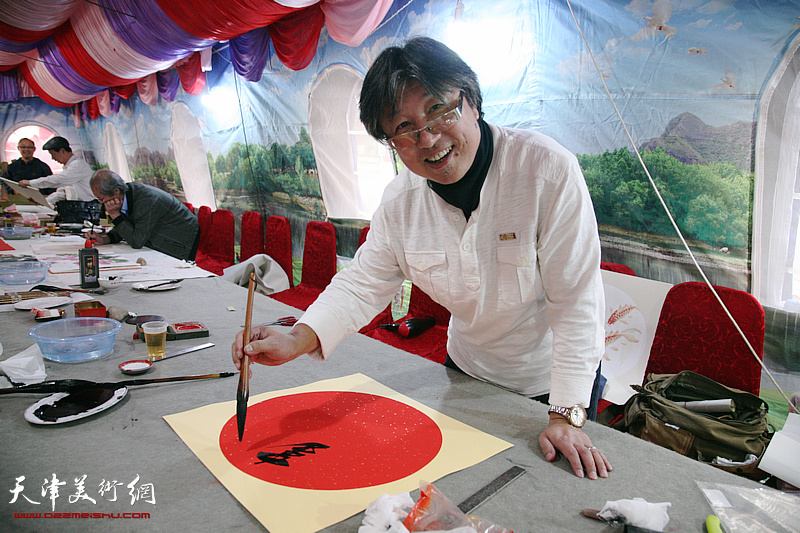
708 202
259 170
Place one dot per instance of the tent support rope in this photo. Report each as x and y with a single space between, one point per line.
666 209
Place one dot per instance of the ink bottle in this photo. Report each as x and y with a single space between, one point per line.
89 261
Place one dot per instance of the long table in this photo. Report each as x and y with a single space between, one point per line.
137 265
131 443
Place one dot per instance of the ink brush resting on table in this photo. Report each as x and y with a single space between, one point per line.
243 392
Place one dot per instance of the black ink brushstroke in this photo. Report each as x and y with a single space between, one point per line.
282 459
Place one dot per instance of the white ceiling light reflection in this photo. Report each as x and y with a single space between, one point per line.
223 102
500 53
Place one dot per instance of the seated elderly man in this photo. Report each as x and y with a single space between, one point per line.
144 215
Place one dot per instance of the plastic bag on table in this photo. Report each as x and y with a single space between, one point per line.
744 510
435 512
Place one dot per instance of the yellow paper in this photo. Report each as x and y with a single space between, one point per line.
290 510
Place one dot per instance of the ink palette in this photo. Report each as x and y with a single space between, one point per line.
63 407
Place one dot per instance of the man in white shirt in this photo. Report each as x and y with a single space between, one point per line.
495 224
73 182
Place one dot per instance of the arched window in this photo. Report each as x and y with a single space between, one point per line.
353 168
37 133
190 156
776 199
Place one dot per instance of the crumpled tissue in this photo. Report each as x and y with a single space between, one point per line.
26 367
270 277
386 514
636 512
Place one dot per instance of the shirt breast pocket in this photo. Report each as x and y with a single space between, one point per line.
428 271
517 280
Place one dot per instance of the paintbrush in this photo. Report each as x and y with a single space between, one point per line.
65 385
243 391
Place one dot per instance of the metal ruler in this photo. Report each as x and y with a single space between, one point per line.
491 489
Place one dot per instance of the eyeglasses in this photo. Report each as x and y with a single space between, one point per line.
23 147
443 122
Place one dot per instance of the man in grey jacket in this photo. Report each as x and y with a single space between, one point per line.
144 215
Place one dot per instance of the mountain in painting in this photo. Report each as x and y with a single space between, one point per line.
692 141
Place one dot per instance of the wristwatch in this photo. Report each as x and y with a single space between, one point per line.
575 415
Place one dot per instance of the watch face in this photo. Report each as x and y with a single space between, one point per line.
577 416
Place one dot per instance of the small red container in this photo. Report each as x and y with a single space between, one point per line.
90 308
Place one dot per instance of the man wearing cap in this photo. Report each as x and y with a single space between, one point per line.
27 167
72 182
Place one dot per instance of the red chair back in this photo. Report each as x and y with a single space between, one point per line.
252 235
216 250
319 254
204 216
278 243
616 267
362 237
694 333
223 236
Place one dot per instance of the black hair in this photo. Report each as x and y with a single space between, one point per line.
57 143
426 60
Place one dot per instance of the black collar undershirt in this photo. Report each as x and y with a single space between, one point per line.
466 192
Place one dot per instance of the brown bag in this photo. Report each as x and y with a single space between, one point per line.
653 415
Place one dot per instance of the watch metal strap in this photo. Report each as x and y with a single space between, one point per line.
563 411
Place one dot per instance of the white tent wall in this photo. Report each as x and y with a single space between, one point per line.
115 152
775 267
353 167
190 155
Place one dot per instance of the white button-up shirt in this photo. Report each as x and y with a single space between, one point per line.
72 182
521 277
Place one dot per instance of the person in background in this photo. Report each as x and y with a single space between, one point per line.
144 215
495 224
72 183
27 167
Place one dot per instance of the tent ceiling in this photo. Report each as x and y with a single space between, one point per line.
70 51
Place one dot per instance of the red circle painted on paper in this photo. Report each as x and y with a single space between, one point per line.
333 440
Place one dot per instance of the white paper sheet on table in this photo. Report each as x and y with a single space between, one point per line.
69 262
157 266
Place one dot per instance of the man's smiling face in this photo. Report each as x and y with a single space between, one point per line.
443 157
26 150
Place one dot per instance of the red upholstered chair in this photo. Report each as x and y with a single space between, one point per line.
694 333
252 235
319 266
362 237
204 216
616 267
219 252
278 243
385 316
432 344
